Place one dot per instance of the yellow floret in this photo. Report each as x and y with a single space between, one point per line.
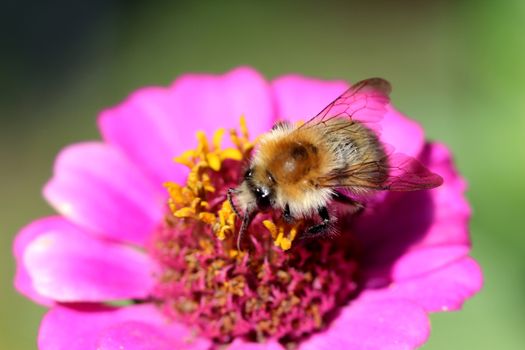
190 201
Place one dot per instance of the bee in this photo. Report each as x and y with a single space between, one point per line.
336 156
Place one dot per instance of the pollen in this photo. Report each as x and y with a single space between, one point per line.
275 289
282 234
205 163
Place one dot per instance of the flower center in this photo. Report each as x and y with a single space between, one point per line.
278 288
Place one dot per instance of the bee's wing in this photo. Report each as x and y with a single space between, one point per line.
398 172
364 101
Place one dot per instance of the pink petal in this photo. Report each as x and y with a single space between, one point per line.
441 289
300 98
138 335
65 264
426 260
23 281
411 220
370 325
155 124
452 211
95 186
139 327
239 344
405 135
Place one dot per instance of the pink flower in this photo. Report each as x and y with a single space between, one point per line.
116 240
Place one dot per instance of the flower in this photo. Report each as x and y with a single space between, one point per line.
141 257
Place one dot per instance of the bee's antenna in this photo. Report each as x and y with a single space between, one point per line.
244 226
229 194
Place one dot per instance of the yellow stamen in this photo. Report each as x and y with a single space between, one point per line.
208 218
214 161
192 200
281 240
185 158
184 212
202 146
226 222
242 141
217 138
231 153
175 191
244 128
270 226
206 245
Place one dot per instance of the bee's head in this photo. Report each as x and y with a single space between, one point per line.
260 183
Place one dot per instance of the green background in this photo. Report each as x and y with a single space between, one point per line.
456 66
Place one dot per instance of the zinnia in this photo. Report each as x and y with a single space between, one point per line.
141 255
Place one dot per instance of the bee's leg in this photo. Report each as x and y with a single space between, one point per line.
287 215
357 207
319 229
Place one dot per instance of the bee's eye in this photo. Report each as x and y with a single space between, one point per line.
262 195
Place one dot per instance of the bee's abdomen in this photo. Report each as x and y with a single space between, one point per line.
352 143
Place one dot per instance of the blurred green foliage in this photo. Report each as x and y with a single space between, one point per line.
457 67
